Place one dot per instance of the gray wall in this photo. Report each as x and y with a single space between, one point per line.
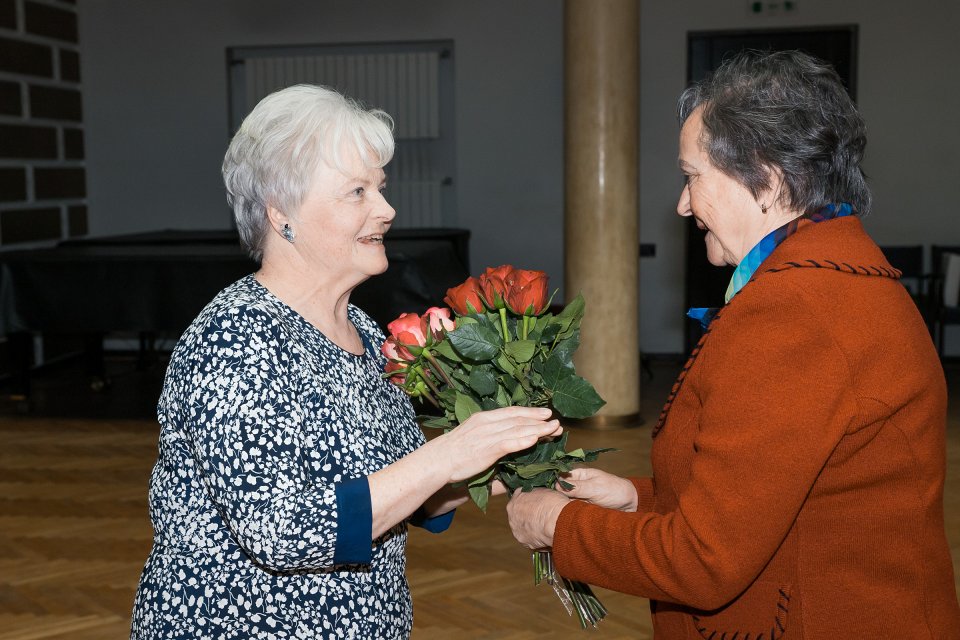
155 98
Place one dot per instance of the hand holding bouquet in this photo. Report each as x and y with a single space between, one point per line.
502 347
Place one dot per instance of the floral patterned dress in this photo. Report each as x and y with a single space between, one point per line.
259 498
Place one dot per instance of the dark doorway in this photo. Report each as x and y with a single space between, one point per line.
704 284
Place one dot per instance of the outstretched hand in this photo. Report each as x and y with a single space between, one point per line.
600 488
487 436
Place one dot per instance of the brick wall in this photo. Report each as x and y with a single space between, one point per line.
42 174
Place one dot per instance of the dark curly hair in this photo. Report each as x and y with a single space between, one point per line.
788 111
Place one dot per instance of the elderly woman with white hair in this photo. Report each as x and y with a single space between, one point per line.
288 467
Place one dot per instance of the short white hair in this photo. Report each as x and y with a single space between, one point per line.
275 154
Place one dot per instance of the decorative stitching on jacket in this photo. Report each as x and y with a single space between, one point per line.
776 631
881 271
680 378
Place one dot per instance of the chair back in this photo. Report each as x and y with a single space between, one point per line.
938 254
951 280
945 279
908 259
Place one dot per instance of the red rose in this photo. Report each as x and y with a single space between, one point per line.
439 321
527 292
463 294
494 285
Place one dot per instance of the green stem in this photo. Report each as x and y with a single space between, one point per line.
503 325
438 369
526 326
430 399
430 384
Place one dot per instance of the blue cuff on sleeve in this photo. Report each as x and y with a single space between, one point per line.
436 524
354 523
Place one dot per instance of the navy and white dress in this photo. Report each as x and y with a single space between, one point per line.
259 497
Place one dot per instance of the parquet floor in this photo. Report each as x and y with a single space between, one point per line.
74 533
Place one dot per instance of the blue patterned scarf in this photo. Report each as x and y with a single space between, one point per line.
761 251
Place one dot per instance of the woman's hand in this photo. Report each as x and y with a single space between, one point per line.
600 488
487 436
533 516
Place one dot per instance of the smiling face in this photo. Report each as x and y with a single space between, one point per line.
721 206
340 225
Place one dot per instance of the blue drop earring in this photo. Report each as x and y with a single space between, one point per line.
288 233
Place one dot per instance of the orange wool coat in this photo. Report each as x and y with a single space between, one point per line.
798 467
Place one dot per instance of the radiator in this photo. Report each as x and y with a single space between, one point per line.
405 85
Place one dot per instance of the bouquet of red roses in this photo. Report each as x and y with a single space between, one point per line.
502 347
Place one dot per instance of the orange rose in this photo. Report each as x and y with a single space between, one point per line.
527 292
494 284
467 293
409 330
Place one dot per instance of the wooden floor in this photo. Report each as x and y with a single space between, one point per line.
74 530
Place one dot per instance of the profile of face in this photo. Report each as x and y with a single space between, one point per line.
341 223
721 207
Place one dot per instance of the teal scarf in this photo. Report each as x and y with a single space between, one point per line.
761 251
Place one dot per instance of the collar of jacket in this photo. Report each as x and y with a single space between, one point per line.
840 245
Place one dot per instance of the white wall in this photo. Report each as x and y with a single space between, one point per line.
155 105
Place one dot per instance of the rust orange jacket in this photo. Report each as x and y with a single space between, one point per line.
798 466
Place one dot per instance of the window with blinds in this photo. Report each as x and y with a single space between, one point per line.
413 82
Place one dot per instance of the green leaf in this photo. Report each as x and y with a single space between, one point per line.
465 407
572 313
504 363
574 397
592 454
554 370
483 380
447 398
480 496
520 350
446 350
531 470
503 398
489 404
475 342
536 381
509 478
483 478
435 422
519 396
550 333
566 347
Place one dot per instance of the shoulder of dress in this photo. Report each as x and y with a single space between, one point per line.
366 324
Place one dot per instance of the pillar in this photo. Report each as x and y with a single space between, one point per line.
601 239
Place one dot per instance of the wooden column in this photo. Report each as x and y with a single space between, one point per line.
601 240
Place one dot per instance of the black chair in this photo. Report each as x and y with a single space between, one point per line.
909 260
942 316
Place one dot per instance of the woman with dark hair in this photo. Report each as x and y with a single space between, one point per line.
798 464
